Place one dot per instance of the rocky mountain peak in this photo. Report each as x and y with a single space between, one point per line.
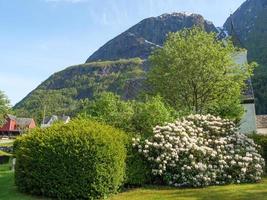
141 39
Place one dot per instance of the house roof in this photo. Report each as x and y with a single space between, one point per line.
12 117
54 118
261 121
48 119
22 122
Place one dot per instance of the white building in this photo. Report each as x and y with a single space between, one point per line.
248 122
48 121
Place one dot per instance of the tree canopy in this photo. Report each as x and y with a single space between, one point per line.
4 106
195 72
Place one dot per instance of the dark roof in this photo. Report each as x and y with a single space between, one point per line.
261 121
47 119
54 118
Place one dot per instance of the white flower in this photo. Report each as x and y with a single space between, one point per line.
175 147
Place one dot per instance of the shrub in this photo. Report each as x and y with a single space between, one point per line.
202 150
130 116
262 141
138 171
80 160
109 108
149 114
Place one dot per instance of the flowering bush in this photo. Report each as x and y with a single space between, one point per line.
201 150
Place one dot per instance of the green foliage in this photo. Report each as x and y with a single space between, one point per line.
4 107
260 85
262 141
131 116
64 92
195 72
151 113
80 160
138 171
109 108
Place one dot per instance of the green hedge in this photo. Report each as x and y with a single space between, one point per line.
138 172
80 160
262 141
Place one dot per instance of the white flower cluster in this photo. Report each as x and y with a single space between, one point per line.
201 150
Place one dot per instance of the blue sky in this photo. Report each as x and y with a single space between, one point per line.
41 37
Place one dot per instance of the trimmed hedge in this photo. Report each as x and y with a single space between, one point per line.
80 160
138 172
262 141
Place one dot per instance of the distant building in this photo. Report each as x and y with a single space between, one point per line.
15 126
48 121
248 122
262 124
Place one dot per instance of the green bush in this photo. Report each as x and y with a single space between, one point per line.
80 160
262 141
149 114
109 108
130 116
138 171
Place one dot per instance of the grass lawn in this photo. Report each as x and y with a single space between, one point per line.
7 188
6 142
230 192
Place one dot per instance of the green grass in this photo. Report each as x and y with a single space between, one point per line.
8 190
258 191
229 192
6 143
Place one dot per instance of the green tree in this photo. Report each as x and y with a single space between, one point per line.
109 108
195 72
131 116
4 106
151 113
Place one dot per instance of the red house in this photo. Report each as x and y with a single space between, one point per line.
14 125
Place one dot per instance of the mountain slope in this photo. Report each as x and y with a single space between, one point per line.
63 92
118 66
141 39
250 25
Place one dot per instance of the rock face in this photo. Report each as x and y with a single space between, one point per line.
249 22
250 25
141 39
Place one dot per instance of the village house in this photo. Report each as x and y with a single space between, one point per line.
14 126
48 121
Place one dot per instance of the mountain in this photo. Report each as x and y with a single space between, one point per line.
141 39
118 66
249 24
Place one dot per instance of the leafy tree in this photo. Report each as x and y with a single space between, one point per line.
131 116
151 113
109 108
195 72
4 106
